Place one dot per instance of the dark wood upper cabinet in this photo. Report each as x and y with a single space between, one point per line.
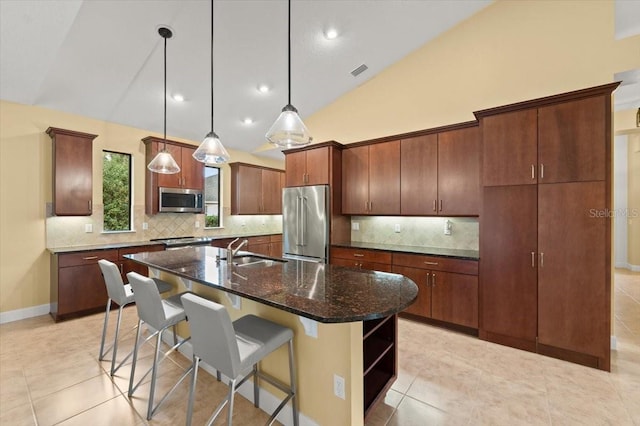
255 189
308 167
571 140
510 153
72 172
371 179
459 172
191 175
419 175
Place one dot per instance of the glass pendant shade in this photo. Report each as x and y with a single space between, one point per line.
289 131
164 163
211 150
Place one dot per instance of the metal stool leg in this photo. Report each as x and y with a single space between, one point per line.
115 342
154 374
294 390
232 391
135 359
104 330
192 391
256 387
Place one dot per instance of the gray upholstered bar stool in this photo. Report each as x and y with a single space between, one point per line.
159 314
120 293
235 348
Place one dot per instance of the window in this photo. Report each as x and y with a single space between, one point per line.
212 199
116 191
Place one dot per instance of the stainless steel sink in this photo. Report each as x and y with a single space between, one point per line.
250 260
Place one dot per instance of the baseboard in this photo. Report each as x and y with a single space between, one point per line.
268 401
20 314
624 265
634 268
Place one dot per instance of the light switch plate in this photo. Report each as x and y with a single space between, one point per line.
355 226
396 227
88 227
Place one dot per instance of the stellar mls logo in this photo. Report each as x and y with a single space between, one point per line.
630 213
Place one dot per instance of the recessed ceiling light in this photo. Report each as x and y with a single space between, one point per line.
263 88
177 97
248 120
331 33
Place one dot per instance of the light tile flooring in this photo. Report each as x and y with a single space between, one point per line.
49 374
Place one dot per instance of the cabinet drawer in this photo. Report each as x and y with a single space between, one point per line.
277 238
86 257
361 255
265 239
359 264
139 249
436 263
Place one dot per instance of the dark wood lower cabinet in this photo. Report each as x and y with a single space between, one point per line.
422 305
128 265
454 298
508 271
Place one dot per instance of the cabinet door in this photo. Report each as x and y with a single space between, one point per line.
510 148
127 265
574 275
422 305
192 170
271 192
572 141
80 288
508 237
355 180
246 189
459 172
295 165
419 175
384 178
174 180
317 165
454 298
259 248
73 175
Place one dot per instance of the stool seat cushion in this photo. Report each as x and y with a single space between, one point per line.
258 337
163 286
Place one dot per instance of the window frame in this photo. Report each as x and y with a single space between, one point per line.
220 193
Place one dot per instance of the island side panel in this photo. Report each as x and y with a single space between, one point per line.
337 350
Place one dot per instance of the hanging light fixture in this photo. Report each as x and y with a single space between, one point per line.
289 131
163 162
211 149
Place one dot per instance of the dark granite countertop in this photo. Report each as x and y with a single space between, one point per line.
108 246
432 251
325 293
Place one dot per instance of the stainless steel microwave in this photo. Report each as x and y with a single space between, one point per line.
179 200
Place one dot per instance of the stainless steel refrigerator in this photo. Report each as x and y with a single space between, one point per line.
305 228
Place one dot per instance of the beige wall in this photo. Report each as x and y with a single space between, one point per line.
510 51
633 200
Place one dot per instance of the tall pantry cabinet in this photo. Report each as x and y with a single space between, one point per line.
545 235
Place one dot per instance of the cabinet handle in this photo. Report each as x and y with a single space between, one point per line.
366 206
541 259
370 206
533 171
541 171
434 205
430 263
533 259
358 255
440 205
433 280
428 283
90 258
121 268
89 204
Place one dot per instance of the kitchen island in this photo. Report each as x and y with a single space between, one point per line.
330 310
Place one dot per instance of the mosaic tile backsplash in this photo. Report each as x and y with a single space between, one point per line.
70 231
417 231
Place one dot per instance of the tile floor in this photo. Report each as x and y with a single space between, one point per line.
49 374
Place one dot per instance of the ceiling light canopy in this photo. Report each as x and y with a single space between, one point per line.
289 131
263 88
163 162
178 97
331 33
211 150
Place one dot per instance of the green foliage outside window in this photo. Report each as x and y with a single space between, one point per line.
211 221
116 191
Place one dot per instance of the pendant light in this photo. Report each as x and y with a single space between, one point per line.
163 161
211 149
289 131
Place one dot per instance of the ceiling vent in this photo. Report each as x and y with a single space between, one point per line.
359 70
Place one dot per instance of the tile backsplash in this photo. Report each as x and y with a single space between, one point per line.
70 231
417 231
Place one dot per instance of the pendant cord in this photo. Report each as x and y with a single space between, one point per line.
289 51
211 66
165 93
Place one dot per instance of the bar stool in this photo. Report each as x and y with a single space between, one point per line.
120 293
159 314
235 348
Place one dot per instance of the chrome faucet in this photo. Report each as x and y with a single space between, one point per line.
232 251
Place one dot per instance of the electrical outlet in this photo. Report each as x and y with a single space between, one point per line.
197 224
243 223
396 227
88 227
338 386
447 227
145 226
355 226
